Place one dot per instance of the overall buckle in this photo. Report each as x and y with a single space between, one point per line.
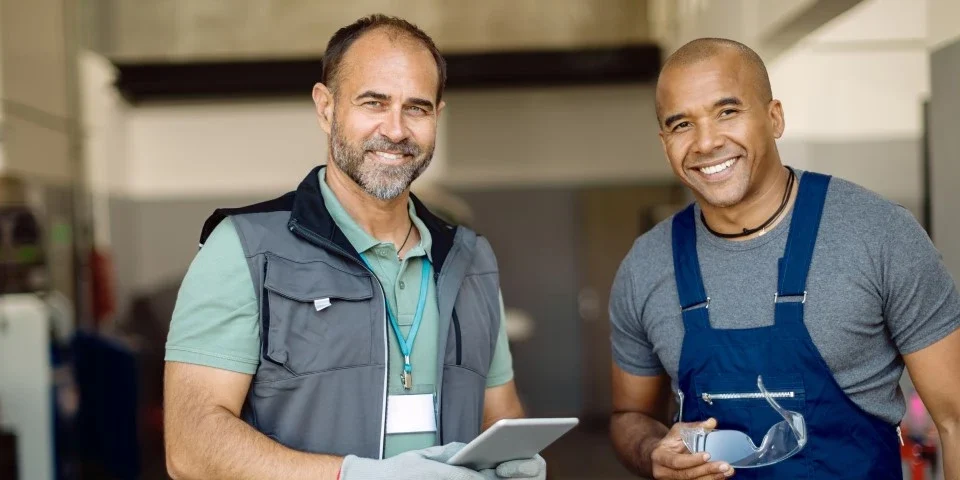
776 296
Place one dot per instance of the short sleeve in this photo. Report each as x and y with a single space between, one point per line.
920 300
632 351
216 322
501 366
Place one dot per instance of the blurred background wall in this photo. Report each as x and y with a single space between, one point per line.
41 137
133 121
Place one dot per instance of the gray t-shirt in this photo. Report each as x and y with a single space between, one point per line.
877 289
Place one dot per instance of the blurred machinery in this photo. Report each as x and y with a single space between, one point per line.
22 259
26 369
920 452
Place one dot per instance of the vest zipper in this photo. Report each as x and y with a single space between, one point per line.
265 315
320 241
710 397
456 331
439 411
456 323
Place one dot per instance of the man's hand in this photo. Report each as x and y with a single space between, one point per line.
671 459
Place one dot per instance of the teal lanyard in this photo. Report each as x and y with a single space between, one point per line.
406 344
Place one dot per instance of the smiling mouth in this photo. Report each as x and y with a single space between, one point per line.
390 157
720 167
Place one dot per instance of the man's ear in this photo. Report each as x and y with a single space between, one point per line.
323 102
777 119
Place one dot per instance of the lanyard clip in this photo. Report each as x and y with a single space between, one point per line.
407 376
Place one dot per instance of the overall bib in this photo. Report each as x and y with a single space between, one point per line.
719 368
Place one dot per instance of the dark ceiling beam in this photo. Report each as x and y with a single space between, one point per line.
141 82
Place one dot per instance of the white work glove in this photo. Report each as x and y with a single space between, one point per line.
427 464
430 464
535 468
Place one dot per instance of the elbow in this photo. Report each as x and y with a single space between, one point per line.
174 467
949 427
186 455
178 466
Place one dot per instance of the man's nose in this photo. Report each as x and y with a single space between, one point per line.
708 139
393 126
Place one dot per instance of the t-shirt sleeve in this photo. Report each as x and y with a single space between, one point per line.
920 300
501 366
631 349
216 322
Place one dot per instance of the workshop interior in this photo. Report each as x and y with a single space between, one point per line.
124 125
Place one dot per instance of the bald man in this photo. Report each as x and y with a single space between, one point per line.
814 286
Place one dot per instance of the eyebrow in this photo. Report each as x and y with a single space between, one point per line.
723 102
374 95
422 102
673 119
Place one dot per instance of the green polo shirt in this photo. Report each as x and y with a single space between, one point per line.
216 321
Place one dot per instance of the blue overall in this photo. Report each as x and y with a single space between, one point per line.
843 440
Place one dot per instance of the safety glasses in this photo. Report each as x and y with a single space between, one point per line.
782 441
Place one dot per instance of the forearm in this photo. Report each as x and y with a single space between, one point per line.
488 421
950 440
220 445
634 436
501 402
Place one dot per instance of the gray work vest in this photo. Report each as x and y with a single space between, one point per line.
321 385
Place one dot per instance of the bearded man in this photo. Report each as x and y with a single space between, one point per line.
342 330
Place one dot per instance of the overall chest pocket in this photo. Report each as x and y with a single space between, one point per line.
737 404
316 317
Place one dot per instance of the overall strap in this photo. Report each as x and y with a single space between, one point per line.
686 266
795 264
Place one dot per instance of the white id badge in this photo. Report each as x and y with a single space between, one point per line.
411 414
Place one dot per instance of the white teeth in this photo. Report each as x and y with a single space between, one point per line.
718 168
390 156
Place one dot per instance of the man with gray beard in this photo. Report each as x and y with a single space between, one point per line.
343 330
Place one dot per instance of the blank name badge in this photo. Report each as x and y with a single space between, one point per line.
411 414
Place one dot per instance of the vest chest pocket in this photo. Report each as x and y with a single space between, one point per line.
475 325
315 317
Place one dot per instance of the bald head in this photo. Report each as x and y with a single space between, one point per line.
739 55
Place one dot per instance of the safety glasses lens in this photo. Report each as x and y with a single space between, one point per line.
727 446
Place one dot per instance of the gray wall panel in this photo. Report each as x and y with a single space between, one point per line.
945 152
889 167
154 241
534 234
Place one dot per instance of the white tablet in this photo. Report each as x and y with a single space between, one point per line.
511 439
